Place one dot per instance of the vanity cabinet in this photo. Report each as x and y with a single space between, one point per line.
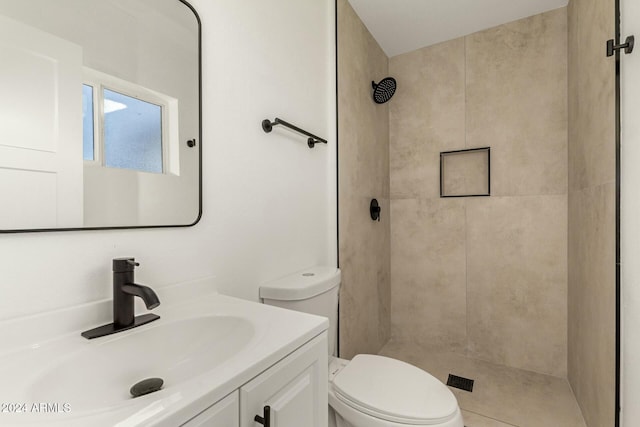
224 413
295 389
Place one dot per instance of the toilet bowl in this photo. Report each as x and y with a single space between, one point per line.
377 391
369 390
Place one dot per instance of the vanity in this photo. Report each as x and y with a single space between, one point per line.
102 130
223 362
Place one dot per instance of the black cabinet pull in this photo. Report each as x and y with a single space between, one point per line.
265 419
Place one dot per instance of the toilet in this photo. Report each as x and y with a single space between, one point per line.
369 390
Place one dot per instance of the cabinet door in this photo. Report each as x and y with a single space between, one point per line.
295 388
225 413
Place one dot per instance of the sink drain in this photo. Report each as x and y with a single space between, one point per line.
146 386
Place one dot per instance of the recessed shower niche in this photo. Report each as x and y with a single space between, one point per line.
465 173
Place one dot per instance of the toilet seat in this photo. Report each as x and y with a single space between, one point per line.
394 391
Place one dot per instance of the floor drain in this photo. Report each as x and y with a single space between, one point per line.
460 382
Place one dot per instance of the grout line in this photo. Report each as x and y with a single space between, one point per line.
466 278
491 418
498 196
466 83
466 222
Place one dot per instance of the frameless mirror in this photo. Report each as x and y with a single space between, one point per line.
100 110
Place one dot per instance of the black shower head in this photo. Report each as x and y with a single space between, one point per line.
383 91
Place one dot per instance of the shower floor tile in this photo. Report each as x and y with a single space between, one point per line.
501 396
474 420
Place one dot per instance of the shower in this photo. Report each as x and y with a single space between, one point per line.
383 91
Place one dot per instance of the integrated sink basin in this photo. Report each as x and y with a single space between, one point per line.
99 377
203 347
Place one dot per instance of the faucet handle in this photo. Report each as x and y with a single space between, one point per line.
122 265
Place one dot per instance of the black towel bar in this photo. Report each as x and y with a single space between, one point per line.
267 126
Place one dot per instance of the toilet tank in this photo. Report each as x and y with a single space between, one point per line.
313 290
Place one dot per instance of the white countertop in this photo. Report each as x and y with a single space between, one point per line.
33 347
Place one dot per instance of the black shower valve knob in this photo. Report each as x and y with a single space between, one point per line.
374 210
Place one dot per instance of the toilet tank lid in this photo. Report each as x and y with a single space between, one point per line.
302 284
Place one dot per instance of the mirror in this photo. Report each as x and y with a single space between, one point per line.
100 111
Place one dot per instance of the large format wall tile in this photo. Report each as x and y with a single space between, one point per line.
592 270
428 302
517 103
592 301
485 276
365 319
574 131
426 116
593 151
364 125
365 262
517 281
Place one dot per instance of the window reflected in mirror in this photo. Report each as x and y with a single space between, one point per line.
88 119
132 133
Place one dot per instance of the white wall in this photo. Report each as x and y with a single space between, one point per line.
630 219
269 201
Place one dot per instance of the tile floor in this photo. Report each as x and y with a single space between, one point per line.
502 396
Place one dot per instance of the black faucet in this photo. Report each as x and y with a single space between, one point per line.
124 289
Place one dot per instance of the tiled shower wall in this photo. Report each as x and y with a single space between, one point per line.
592 273
484 276
363 173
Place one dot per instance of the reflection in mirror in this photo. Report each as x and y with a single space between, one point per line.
99 99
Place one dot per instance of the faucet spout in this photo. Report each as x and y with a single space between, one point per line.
146 293
124 289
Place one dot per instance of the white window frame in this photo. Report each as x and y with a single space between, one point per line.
169 116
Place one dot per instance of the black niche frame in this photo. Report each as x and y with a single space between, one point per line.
443 154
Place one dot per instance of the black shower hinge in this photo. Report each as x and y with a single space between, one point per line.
627 46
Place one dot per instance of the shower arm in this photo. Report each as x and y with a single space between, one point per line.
267 126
